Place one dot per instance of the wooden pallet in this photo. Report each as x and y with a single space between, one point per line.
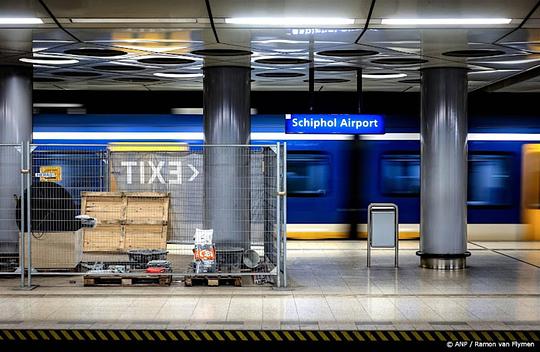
128 280
213 280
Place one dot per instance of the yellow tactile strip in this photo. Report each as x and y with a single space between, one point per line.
7 335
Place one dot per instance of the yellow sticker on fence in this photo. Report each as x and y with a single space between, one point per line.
50 173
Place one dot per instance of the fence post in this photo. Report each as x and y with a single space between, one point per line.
278 215
21 213
28 212
284 197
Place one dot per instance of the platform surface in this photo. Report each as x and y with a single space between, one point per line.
330 287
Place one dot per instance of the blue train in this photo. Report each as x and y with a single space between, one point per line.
319 167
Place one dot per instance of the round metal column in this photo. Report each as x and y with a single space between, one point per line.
443 213
227 166
15 127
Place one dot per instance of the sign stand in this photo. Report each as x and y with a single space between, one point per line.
383 229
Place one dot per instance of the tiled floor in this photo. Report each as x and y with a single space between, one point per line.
329 288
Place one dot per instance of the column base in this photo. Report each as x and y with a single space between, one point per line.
443 261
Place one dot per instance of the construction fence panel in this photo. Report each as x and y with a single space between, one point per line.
189 210
11 227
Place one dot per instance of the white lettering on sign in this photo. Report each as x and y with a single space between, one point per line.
174 176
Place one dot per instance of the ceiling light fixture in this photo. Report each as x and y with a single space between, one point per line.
290 21
48 60
57 105
177 75
443 21
20 20
133 20
384 75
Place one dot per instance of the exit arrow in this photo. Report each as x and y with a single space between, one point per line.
195 172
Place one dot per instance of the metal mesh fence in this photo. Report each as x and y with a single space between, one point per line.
11 188
154 208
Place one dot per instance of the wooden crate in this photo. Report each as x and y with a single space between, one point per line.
56 250
128 280
126 220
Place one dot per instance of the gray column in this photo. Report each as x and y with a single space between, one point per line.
15 127
443 214
227 168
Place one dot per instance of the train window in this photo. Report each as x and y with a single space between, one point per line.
489 180
307 174
400 175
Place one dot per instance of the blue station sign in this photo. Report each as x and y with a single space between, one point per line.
334 123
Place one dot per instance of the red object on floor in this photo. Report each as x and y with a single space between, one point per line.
155 270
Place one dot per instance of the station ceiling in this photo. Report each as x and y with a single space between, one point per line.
164 44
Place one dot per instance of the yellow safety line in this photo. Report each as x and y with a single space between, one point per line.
160 335
171 335
323 335
300 336
381 335
207 336
125 335
218 335
20 334
66 335
265 336
78 335
428 335
393 335
499 336
32 335
90 335
101 335
417 336
195 336
358 335
184 336
335 336
535 338
463 336
347 336
452 336
8 334
43 335
148 335
440 336
370 336
509 334
137 336
487 336
241 334
113 335
230 336
253 336
288 336
276 336
312 336
55 335
475 335
404 334
520 334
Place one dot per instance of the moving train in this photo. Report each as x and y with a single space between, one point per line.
503 169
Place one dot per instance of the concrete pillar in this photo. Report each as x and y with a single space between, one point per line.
443 214
15 127
226 104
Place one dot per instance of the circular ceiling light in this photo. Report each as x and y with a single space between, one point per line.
283 61
136 80
411 81
121 68
221 52
178 74
47 79
96 52
166 61
49 60
399 61
474 53
280 74
76 74
383 75
329 80
348 53
336 68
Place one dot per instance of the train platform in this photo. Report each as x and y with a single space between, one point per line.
330 288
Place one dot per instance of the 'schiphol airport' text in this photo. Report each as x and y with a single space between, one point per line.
350 124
